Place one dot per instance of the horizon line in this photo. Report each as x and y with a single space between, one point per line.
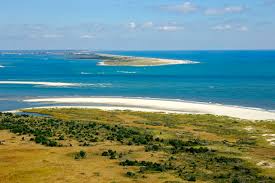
260 49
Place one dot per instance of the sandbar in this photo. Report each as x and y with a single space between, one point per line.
161 105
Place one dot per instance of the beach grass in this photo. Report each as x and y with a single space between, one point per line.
127 146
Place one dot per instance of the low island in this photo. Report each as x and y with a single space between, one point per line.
117 60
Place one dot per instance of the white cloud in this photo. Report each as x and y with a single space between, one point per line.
234 9
33 36
243 28
87 36
222 27
225 10
170 28
148 24
52 36
132 25
186 7
227 27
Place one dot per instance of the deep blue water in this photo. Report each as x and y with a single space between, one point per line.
245 78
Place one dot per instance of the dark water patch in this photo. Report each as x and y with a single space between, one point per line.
33 114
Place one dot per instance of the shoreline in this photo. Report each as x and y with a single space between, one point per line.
171 63
104 108
162 62
160 105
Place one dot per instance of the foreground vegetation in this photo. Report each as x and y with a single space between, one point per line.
144 147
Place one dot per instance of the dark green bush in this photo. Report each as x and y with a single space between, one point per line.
80 155
130 174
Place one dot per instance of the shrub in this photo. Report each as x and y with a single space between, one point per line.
80 155
40 140
52 143
191 178
153 147
105 153
130 174
147 165
247 141
112 154
61 137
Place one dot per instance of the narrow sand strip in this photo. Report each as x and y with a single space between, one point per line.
169 61
39 83
53 84
105 108
166 106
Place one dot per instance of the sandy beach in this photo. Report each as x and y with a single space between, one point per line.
159 105
105 108
149 61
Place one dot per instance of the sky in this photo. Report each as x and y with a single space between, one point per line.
137 24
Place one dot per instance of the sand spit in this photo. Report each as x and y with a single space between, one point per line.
171 106
134 61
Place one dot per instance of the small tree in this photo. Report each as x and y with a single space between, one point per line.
80 155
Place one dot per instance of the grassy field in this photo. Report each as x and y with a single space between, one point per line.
89 145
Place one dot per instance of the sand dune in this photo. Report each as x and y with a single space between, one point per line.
176 106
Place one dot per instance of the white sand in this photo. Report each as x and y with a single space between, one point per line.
52 84
105 108
165 61
171 106
101 64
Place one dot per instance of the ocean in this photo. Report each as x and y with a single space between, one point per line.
241 78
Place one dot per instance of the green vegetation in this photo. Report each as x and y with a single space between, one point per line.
80 155
115 60
130 174
190 147
145 165
112 154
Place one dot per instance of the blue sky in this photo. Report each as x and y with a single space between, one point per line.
137 24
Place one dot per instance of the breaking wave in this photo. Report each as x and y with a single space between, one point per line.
56 84
127 72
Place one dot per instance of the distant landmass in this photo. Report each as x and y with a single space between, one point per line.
117 60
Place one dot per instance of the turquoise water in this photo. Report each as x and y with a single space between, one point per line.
244 78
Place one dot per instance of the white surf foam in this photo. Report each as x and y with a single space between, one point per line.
55 84
85 73
126 72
